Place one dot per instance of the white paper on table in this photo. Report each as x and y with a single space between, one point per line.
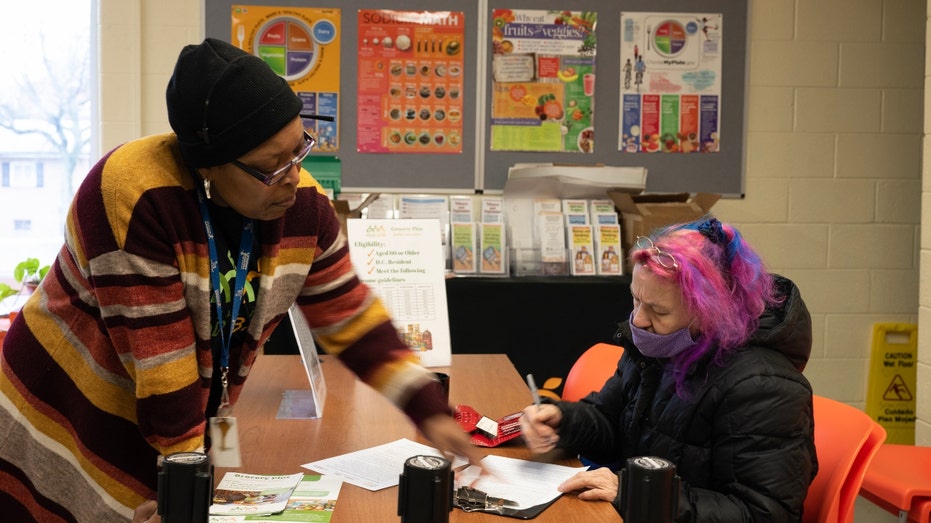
377 467
528 483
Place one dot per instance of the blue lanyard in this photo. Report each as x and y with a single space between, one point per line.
242 269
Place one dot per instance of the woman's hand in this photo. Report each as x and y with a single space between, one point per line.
538 427
594 485
446 434
146 513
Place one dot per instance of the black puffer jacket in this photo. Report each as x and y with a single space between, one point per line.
743 443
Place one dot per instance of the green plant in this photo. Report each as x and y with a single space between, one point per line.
28 272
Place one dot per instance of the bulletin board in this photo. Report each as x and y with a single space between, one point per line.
479 169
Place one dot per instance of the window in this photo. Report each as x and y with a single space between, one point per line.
45 110
24 175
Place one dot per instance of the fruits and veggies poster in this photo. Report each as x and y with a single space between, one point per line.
543 80
670 82
410 81
302 46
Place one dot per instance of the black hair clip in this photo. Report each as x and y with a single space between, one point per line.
712 230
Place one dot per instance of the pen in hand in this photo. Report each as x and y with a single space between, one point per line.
531 432
533 390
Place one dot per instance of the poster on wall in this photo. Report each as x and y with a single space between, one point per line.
670 82
411 70
543 80
302 46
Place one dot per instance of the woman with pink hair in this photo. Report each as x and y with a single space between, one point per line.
710 380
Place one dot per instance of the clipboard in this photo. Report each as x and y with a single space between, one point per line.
525 513
525 488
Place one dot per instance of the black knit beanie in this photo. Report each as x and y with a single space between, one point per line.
224 102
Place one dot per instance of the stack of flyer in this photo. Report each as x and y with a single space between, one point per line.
477 242
265 498
560 220
607 233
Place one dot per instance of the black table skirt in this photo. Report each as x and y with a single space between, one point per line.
543 324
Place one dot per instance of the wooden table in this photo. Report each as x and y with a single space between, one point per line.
356 417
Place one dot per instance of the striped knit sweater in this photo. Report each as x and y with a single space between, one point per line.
109 364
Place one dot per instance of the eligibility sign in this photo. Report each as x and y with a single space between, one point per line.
404 264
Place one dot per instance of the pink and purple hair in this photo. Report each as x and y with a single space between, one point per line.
724 285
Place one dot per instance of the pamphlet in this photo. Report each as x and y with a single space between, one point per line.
244 494
461 209
491 239
608 249
575 206
601 206
464 246
581 242
314 500
551 234
492 209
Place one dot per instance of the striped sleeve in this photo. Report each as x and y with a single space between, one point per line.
129 255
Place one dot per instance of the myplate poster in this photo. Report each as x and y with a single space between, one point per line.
302 46
543 80
670 82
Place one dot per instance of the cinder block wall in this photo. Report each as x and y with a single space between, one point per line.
835 140
833 183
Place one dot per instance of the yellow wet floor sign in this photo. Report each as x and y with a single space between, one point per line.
890 399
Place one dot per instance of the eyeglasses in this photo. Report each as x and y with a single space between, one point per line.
274 177
663 258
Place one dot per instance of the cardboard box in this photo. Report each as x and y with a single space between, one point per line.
344 212
642 213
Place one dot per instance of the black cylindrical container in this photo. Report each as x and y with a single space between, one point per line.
185 488
649 490
425 490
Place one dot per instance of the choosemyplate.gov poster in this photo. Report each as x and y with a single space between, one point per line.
670 82
543 80
302 46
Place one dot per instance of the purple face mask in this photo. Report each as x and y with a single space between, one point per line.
655 345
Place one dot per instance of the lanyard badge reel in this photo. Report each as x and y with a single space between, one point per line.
425 490
185 487
649 490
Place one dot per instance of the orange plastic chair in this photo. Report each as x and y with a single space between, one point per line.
846 439
590 372
899 480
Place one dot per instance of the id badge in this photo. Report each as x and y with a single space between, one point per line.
224 442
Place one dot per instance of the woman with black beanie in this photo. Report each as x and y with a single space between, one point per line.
183 251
